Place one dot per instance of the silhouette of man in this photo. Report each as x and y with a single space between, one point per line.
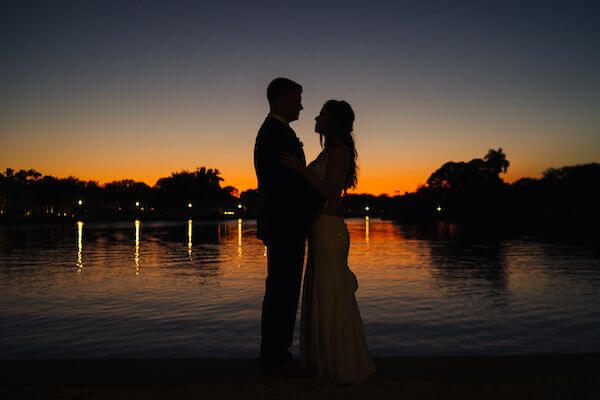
287 206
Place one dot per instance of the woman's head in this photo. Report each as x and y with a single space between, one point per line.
335 124
335 120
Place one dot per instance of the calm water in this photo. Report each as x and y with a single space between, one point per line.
177 290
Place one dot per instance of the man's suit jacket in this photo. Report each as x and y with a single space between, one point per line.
287 203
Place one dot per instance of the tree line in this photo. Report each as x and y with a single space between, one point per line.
474 193
28 193
468 192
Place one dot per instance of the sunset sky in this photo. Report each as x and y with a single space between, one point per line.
139 89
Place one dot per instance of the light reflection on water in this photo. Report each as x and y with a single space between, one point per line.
79 246
194 289
137 247
190 224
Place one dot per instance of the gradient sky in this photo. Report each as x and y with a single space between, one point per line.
138 89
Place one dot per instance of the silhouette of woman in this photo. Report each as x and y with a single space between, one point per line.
332 339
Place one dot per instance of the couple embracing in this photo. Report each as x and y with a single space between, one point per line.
299 202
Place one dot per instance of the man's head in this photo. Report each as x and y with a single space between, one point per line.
285 98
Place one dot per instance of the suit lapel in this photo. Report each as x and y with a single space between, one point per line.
299 147
293 140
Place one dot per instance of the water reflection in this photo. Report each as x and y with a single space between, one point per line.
572 275
422 291
448 231
79 246
184 233
471 270
464 266
189 232
239 233
137 247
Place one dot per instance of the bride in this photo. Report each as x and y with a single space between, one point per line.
332 339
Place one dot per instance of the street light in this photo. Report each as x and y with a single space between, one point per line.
137 203
438 209
189 205
367 208
80 202
239 206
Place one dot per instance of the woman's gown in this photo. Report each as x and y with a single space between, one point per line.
332 338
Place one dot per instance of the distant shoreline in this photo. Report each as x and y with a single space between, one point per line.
70 220
569 229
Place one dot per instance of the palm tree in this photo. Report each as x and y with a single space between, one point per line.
497 161
32 173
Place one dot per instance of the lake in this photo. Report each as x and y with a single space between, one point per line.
183 289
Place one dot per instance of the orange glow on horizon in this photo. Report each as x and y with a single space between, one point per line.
395 155
375 182
383 183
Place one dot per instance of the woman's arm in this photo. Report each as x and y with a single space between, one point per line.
331 187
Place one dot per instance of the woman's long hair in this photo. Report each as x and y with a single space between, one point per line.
340 118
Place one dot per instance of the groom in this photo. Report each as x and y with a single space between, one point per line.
287 206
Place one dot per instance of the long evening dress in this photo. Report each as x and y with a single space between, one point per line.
332 338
